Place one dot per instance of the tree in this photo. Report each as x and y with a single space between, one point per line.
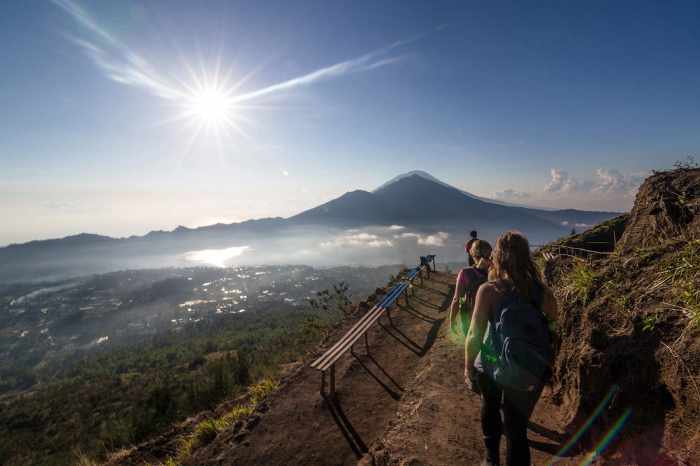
339 299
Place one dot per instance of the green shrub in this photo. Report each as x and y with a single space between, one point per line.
581 281
649 322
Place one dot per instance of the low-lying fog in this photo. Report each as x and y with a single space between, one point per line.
298 245
369 246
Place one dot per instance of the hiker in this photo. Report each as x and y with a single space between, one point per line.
468 247
468 281
509 369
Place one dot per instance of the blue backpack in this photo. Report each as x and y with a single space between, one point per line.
522 346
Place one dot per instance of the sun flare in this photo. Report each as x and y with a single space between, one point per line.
210 107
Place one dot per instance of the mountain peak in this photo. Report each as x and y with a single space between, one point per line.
427 176
413 173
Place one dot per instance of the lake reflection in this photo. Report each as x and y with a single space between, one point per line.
215 257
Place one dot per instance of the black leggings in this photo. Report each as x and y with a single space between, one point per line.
517 408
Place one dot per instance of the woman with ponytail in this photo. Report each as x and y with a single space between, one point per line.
515 288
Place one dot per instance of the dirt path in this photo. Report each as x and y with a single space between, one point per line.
438 420
405 402
301 428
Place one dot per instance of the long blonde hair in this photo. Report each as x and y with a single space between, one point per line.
512 260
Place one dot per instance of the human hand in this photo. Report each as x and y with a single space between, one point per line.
471 379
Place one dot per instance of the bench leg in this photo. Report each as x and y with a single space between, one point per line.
323 384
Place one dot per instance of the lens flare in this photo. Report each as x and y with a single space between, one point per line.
587 425
608 438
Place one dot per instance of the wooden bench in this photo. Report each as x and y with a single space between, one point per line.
412 274
326 362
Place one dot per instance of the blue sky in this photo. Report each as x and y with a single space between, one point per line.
559 104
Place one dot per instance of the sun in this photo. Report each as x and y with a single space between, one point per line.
210 107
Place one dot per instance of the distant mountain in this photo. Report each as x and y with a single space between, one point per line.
430 177
415 200
354 208
418 199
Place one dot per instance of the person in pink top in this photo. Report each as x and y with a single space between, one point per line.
468 281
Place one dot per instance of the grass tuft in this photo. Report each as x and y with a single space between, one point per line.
581 281
206 431
683 272
238 412
260 390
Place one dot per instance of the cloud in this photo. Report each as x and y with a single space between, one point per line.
613 181
358 240
116 60
436 239
511 194
566 223
366 62
607 181
123 65
396 227
561 182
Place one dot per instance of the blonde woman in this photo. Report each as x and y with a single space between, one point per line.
468 281
509 369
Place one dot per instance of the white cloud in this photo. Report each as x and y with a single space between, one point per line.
613 181
608 181
438 239
358 240
511 194
561 182
397 227
576 225
125 66
366 62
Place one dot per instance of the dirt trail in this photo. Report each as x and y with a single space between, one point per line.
300 428
438 420
405 402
